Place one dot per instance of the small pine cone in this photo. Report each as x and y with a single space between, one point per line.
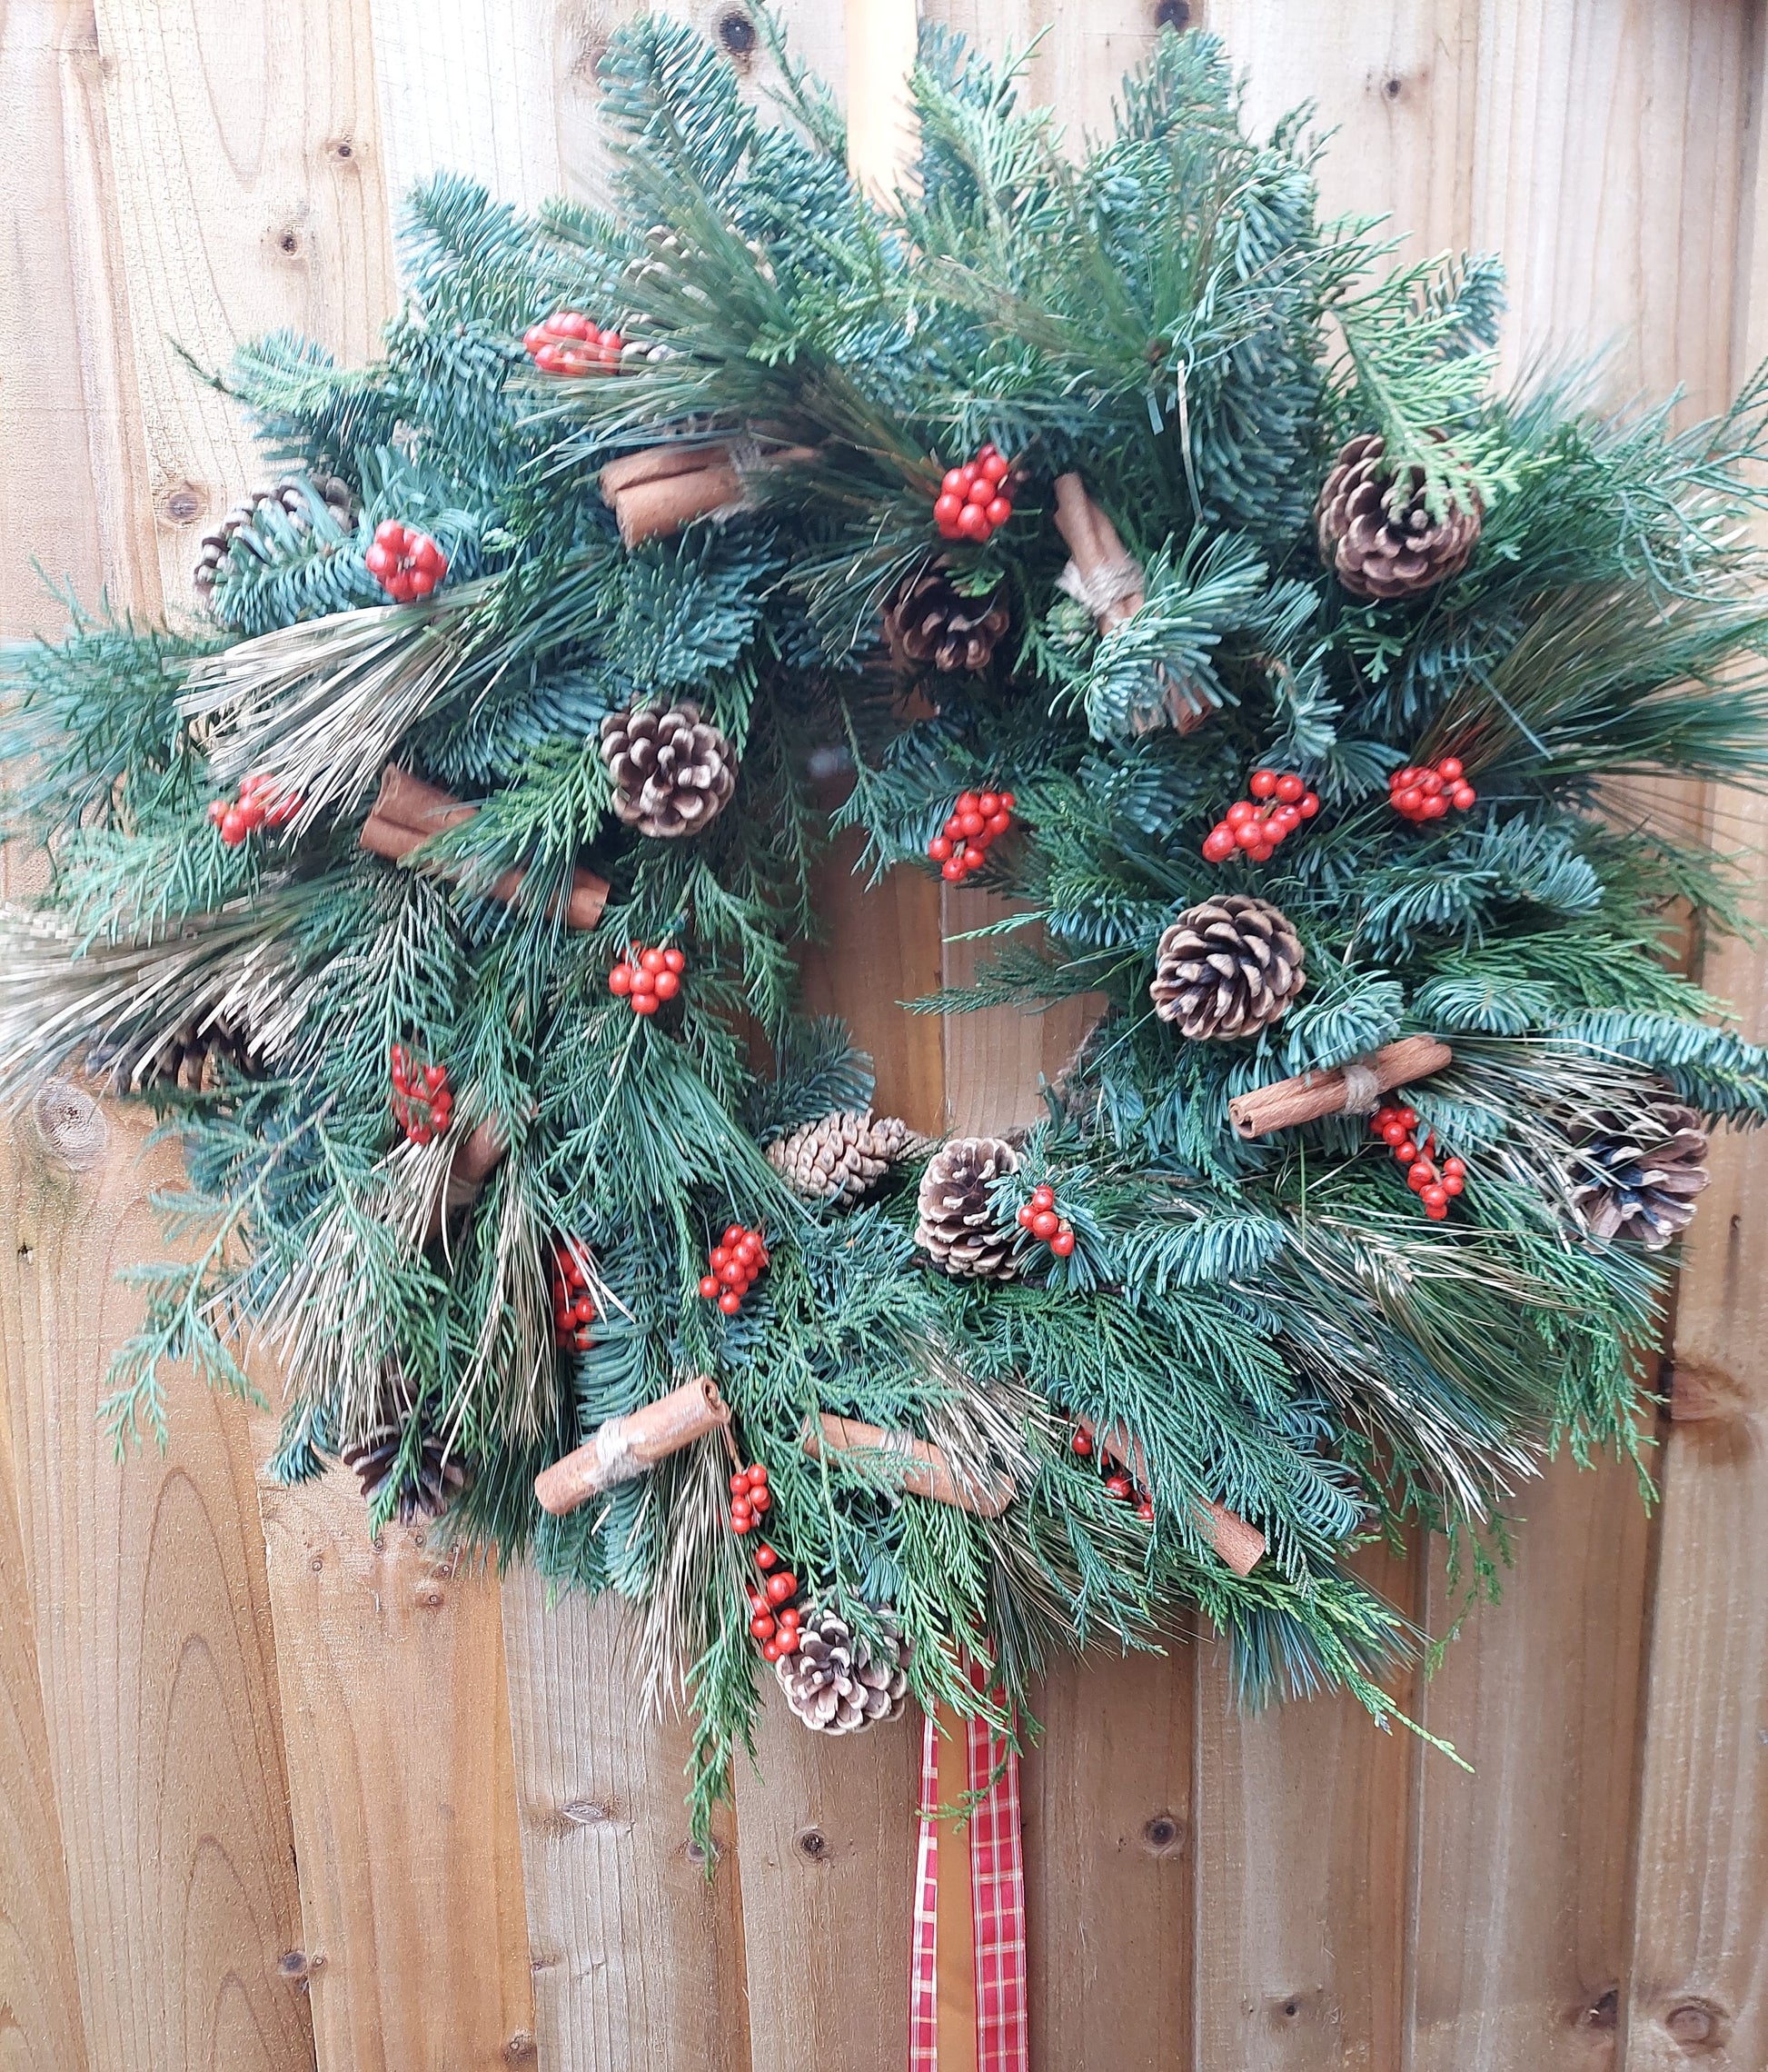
1381 547
427 1491
842 1157
956 1225
833 1684
1228 968
195 1058
672 773
243 521
1640 1174
930 620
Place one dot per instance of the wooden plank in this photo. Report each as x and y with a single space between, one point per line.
1110 1864
637 1954
827 1830
249 198
397 1723
1699 1962
1304 1817
146 1594
1522 1868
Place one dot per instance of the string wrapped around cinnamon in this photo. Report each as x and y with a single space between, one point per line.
653 493
408 812
1106 578
1236 1540
622 1448
1346 1089
922 1468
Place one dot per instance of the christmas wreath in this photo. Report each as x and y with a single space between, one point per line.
1123 538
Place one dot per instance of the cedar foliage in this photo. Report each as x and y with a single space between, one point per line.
1274 1322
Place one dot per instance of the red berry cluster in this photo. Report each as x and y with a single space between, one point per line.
733 1267
976 820
1040 1217
422 1102
1426 793
567 342
648 978
237 818
1117 1483
973 502
1436 1188
405 562
773 1619
573 1307
1278 805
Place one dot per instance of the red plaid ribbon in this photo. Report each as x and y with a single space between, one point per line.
981 2002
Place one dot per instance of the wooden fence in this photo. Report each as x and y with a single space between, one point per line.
271 1796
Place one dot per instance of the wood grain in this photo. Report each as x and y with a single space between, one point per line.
249 198
147 1599
397 1723
637 1955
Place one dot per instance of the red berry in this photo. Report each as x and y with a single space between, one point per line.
1043 1197
1409 1116
973 523
1430 783
233 827
759 1500
734 1234
1410 801
955 482
1436 805
1422 1176
1045 1224
1455 1165
1436 1215
1250 834
1263 852
742 1520
1290 787
650 959
944 512
781 1585
1392 1132
1464 796
1062 1244
766 1558
996 824
1081 1443
674 961
1449 768
758 1477
1028 1216
1145 1510
1219 844
732 1273
731 1301
668 985
939 848
1263 783
969 824
992 464
998 511
987 803
1433 1196
1120 1485
761 1626
980 491
1453 1184
1240 814
952 869
739 1481
789 1618
1308 805
1406 1151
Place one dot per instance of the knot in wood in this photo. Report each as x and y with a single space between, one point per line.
1163 1833
1695 2024
297 1966
70 1125
183 504
737 33
813 1845
520 2047
1173 14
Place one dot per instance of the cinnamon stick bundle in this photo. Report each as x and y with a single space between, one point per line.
622 1448
1346 1089
655 493
1108 580
1236 1540
925 1470
408 812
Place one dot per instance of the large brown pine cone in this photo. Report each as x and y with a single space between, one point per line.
1379 545
1638 1176
672 773
843 1156
425 1490
930 621
195 1059
956 1225
833 1684
242 522
1228 968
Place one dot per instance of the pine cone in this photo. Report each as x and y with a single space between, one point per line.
958 1224
672 772
930 620
194 1058
832 1681
842 1157
426 1491
1642 1174
1377 548
243 521
1228 968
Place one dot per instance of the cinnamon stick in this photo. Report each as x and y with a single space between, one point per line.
1346 1089
408 812
479 1153
1111 582
925 1470
622 1448
1236 1540
655 493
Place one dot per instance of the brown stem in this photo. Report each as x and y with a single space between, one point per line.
622 1448
921 1467
1346 1090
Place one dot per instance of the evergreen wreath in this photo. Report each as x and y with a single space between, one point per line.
1144 546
